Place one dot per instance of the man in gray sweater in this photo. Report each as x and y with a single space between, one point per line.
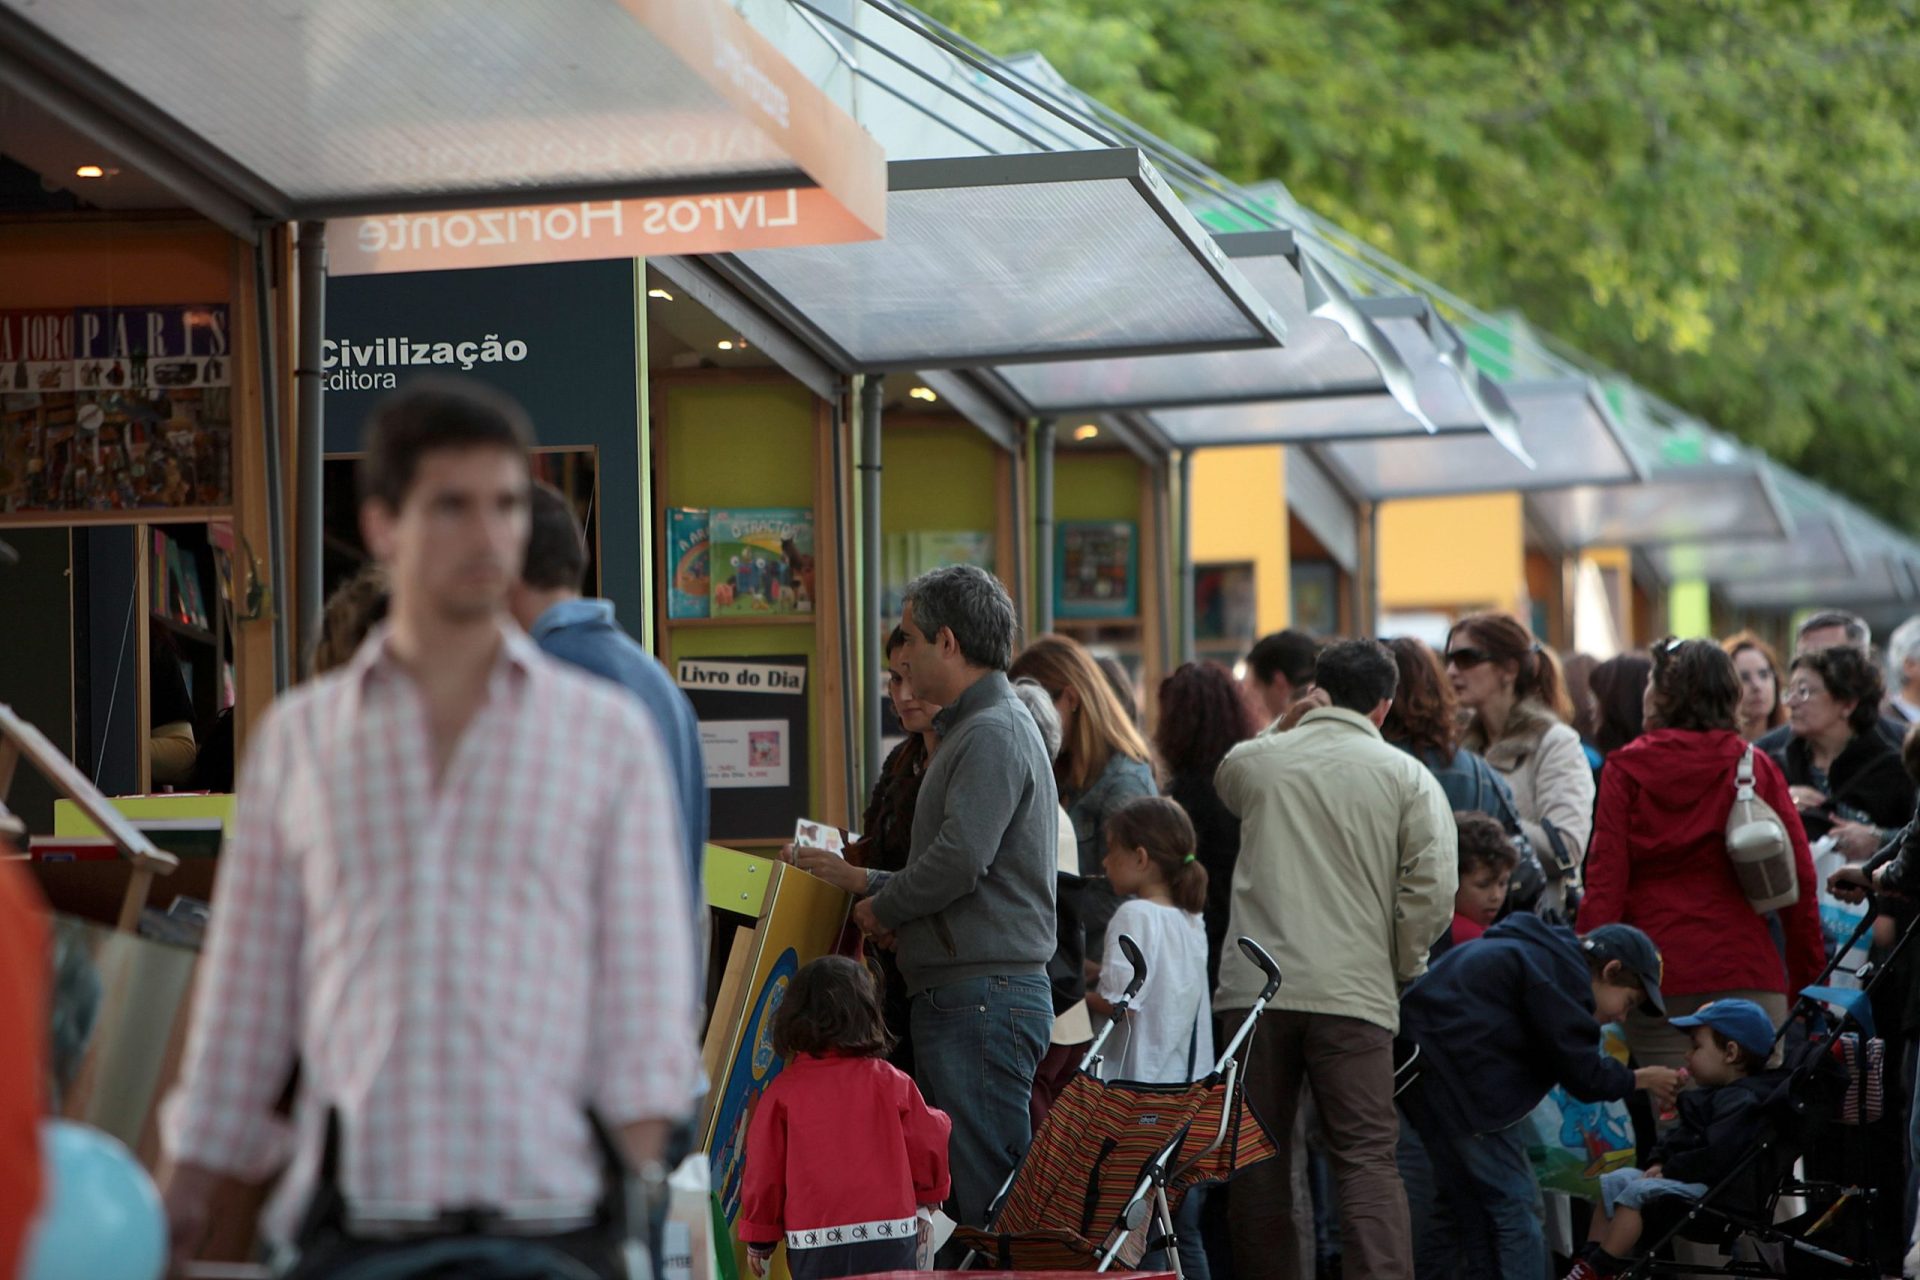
971 914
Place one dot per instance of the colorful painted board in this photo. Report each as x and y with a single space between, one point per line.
762 561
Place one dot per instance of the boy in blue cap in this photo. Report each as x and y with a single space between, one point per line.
1498 1024
1721 1118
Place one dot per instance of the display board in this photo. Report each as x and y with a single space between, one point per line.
753 732
559 339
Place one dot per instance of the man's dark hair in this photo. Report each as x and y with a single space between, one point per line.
556 546
1859 634
1357 674
1286 653
432 414
831 1006
970 602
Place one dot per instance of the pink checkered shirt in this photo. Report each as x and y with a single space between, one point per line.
461 973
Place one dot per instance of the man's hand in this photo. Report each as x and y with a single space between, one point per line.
866 922
188 1197
1849 883
1654 1171
1858 840
1661 1083
831 867
1312 700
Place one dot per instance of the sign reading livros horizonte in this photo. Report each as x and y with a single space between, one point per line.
589 229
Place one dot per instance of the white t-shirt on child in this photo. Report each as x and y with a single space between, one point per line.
1170 1018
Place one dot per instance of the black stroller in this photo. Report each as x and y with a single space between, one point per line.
1820 1113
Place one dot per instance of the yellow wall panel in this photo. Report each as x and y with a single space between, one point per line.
1453 554
1240 514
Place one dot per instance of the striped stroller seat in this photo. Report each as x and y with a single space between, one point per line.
1113 1160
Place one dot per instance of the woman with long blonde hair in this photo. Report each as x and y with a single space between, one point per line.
1103 760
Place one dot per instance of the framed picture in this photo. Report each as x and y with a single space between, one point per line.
1225 606
1316 596
1096 569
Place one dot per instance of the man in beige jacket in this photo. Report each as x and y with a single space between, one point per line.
1348 864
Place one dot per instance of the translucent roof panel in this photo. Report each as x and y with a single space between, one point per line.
1319 357
1882 578
335 108
1563 425
1673 505
1818 542
1003 259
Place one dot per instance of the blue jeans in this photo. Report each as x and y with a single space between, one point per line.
976 1045
1472 1200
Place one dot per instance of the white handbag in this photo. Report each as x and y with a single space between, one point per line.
1758 846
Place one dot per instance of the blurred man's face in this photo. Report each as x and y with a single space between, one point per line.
456 543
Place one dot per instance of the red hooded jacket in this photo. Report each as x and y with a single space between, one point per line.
1658 860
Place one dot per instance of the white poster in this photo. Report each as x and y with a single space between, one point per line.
745 753
741 677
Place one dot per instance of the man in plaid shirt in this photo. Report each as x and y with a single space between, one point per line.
455 894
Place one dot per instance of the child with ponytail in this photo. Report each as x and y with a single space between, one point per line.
1152 862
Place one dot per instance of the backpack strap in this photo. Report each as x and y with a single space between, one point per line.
1743 776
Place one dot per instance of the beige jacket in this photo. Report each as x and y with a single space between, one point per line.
1542 760
1348 864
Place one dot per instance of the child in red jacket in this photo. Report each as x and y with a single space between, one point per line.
843 1151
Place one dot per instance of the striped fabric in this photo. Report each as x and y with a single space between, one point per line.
1072 1189
1865 1061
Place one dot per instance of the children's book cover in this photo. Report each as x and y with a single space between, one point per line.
762 561
687 547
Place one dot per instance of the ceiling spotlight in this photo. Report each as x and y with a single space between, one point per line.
924 393
726 344
1085 431
661 294
89 171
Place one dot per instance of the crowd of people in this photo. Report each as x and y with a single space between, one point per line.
1465 862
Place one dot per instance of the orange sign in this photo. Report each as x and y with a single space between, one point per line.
585 230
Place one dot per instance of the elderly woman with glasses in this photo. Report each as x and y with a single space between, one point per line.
1658 858
1847 780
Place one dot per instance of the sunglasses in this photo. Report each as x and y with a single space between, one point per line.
1466 659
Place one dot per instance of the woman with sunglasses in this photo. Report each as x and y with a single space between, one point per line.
1512 689
1658 858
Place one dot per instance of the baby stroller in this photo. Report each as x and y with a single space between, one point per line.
1102 1178
1822 1110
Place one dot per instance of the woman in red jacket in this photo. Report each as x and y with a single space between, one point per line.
1658 859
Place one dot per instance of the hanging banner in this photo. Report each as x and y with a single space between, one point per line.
108 410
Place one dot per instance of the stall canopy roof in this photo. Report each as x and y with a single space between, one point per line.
333 108
999 259
1701 487
1818 542
1886 568
1565 426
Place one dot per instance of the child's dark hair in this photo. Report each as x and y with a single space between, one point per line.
832 1006
1483 843
1162 828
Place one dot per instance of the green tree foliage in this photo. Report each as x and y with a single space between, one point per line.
1721 198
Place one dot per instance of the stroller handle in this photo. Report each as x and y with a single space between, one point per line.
1263 962
1131 950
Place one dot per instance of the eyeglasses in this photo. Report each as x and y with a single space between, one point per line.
1466 659
1802 693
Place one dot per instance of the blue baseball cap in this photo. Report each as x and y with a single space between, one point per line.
1741 1021
1636 953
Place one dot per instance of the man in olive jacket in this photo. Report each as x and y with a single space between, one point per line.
1348 865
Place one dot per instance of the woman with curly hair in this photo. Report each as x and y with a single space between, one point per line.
1203 715
1658 860
1847 780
